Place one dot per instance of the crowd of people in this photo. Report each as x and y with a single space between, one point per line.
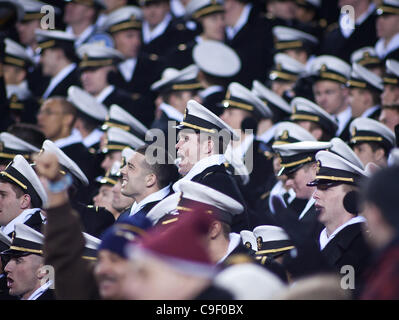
199 149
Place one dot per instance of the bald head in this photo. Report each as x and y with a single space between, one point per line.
56 118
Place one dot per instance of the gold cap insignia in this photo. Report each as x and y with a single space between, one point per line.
284 135
14 98
353 132
323 68
318 163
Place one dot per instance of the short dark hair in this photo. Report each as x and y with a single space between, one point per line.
375 146
19 192
165 170
381 190
28 132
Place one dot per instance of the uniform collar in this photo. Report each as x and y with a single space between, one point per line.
171 112
21 218
210 90
343 118
40 290
127 67
369 111
325 239
242 20
104 93
234 241
200 166
93 138
149 35
58 78
75 137
83 36
382 50
156 196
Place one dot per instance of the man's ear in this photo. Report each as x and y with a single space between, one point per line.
41 272
208 146
379 154
25 201
68 119
215 229
150 179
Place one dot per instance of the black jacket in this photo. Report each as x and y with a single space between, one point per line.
336 44
218 178
348 247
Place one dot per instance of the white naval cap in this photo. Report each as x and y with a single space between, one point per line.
249 281
238 96
20 173
392 72
124 18
286 68
200 8
165 211
178 80
199 118
11 145
5 241
86 103
31 9
127 154
54 38
289 132
65 161
111 176
342 149
291 38
119 118
306 110
91 246
334 169
366 57
295 155
370 130
328 67
25 241
220 205
271 239
16 55
275 102
216 58
249 240
97 55
364 79
388 7
118 139
314 3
